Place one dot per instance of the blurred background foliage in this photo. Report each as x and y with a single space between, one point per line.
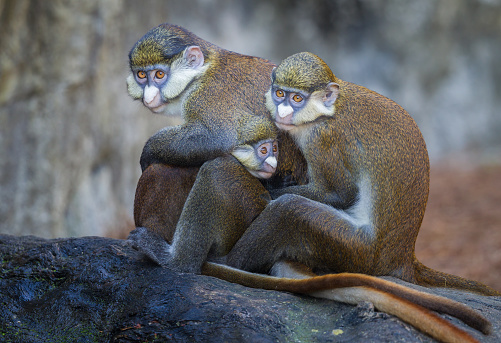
70 137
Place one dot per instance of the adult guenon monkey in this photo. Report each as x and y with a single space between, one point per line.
168 73
367 165
217 92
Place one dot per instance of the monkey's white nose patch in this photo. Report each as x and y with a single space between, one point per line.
284 110
272 161
150 92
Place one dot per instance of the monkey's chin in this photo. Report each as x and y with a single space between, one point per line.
159 109
265 175
262 174
285 127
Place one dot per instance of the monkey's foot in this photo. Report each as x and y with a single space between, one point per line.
152 245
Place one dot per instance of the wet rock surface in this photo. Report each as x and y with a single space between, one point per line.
94 289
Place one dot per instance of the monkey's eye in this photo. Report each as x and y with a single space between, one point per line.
141 74
275 148
279 93
159 74
263 150
297 98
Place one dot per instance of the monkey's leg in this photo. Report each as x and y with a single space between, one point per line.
160 196
223 202
298 229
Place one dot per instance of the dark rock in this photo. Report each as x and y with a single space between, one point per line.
95 289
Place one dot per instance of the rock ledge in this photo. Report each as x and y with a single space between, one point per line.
94 289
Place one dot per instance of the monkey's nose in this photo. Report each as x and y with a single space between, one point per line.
284 110
272 161
151 96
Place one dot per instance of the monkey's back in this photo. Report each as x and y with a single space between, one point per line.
385 143
234 84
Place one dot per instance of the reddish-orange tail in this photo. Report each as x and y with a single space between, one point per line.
407 304
411 313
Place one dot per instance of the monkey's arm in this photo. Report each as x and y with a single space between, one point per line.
331 180
340 200
188 145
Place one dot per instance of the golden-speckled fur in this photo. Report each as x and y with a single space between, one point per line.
220 107
368 163
225 199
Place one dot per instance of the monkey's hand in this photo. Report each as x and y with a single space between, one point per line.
148 158
151 245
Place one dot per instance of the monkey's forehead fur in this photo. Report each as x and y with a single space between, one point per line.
161 44
303 71
258 127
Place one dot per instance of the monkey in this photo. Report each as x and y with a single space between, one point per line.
368 173
173 70
161 213
204 228
211 222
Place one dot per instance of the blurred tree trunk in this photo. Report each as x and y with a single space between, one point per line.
70 137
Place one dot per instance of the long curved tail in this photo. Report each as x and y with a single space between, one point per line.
409 312
408 304
428 277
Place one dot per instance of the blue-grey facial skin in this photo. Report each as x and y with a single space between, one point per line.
267 153
294 98
152 76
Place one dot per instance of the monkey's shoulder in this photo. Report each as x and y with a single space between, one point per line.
243 69
233 84
353 95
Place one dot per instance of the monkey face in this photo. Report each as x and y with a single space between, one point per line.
291 108
260 159
287 103
152 80
303 90
161 85
266 154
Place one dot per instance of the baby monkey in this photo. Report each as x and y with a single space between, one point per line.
260 158
226 197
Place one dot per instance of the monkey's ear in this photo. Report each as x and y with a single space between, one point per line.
331 94
194 56
273 71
